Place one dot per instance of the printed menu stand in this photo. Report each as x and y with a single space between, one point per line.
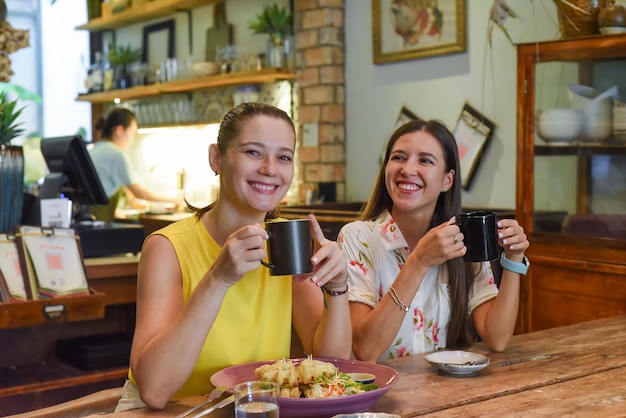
51 261
10 271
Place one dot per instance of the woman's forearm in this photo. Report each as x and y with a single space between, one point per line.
500 323
333 336
166 362
375 332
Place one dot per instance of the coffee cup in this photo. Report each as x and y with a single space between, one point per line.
289 247
479 235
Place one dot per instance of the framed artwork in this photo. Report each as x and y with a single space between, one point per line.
158 42
411 29
405 116
472 133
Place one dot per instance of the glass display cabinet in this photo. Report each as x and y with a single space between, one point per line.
571 179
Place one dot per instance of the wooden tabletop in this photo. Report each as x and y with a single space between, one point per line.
531 362
572 370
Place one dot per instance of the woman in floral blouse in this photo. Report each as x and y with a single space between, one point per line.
409 290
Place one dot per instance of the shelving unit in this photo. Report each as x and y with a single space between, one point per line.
148 11
574 215
269 75
37 378
580 149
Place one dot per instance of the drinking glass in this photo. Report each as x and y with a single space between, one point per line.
256 399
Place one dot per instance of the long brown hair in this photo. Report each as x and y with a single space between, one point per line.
231 128
460 329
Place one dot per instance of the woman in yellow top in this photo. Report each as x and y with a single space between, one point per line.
204 302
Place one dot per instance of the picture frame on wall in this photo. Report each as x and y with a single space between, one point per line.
158 42
472 132
405 116
411 29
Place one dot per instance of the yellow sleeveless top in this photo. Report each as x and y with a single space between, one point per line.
254 322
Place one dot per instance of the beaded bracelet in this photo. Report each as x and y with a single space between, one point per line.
394 295
335 292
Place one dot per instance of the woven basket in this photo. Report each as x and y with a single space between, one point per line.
575 24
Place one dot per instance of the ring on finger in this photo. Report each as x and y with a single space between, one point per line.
455 239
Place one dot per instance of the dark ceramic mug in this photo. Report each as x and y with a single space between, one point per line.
479 230
289 246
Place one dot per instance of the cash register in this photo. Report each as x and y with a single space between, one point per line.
72 175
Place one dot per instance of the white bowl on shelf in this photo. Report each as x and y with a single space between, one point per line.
204 69
559 126
586 98
597 128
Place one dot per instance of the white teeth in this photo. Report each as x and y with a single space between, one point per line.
263 186
411 187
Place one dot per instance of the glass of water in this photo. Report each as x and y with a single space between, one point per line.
256 399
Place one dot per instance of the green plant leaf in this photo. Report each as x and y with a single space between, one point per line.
124 55
21 92
273 20
9 128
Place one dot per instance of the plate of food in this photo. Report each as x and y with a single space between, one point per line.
314 387
457 361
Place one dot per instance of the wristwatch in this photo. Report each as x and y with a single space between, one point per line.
515 266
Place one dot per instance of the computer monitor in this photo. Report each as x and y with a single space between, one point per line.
72 174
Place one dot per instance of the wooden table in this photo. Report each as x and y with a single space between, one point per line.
569 369
572 370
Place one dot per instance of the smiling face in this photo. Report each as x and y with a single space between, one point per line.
416 173
257 167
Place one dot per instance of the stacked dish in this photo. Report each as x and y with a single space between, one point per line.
597 108
619 119
559 126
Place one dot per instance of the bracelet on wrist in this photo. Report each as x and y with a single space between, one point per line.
515 266
333 292
394 295
332 285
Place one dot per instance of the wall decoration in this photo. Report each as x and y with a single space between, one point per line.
472 132
154 38
405 116
410 29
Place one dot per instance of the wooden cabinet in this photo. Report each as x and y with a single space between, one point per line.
31 375
571 199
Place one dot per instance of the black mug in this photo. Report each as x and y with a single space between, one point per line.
290 247
479 235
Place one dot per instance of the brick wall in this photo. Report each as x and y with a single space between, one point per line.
320 112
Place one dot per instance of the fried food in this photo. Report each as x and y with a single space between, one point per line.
310 379
311 370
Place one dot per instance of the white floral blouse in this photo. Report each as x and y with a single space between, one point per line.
376 251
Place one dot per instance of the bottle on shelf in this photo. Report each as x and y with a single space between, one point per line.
95 79
108 73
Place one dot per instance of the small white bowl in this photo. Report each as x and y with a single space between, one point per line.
597 128
582 97
204 69
162 208
612 30
362 377
559 126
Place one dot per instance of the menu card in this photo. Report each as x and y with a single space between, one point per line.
51 259
10 271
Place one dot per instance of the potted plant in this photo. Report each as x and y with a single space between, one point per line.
121 58
276 22
11 165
